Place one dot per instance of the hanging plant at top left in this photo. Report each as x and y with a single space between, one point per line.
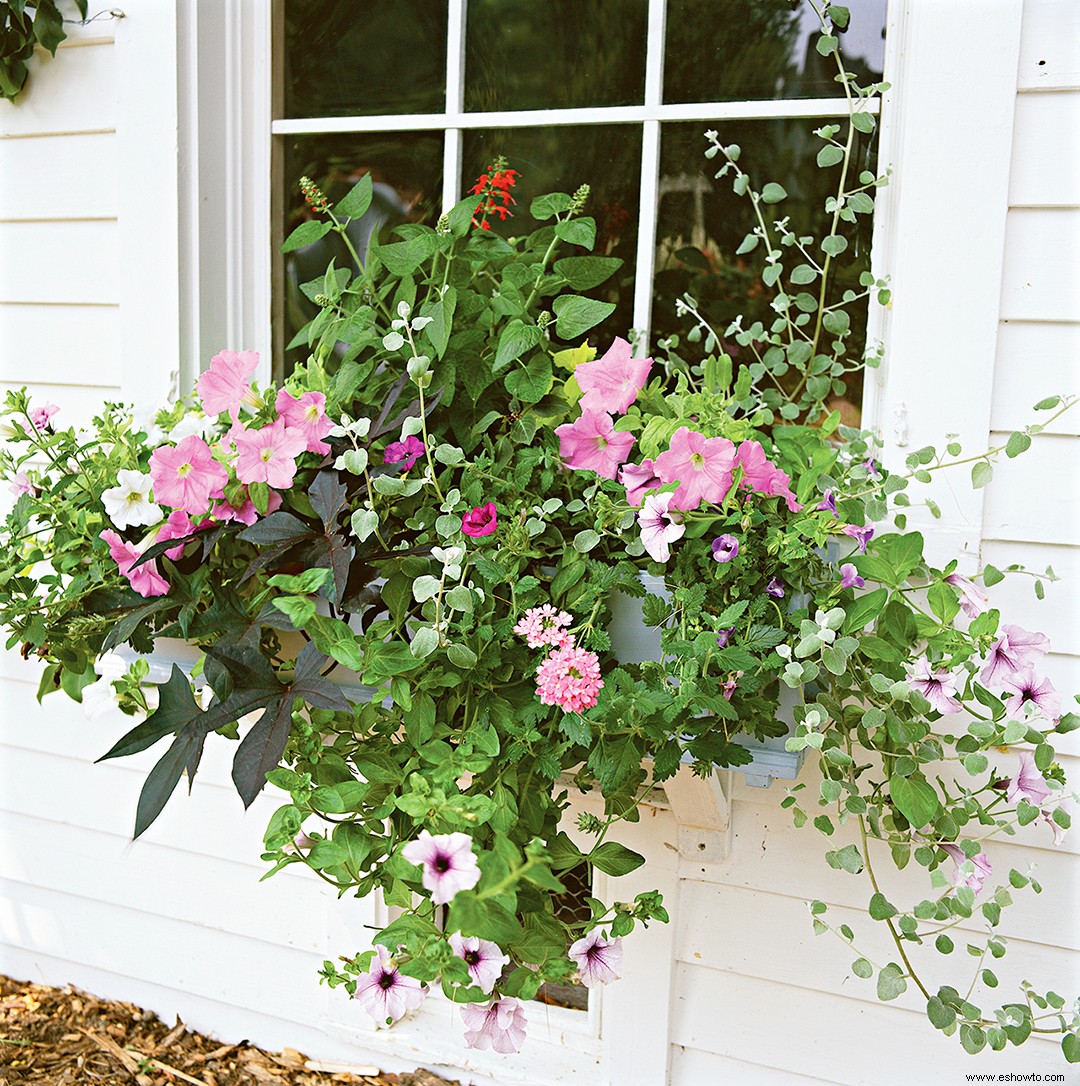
22 26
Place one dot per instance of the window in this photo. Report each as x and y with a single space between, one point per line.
423 95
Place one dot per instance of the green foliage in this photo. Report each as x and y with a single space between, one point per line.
25 24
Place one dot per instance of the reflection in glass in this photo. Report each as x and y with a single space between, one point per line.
406 169
730 50
523 55
364 57
560 159
701 222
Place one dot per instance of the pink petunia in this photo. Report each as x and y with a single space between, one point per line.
1028 783
404 453
659 526
1033 688
145 579
448 861
500 1025
1013 651
20 484
484 958
637 478
186 476
570 678
177 526
762 475
245 513
590 443
385 993
973 601
481 521
981 868
598 959
227 383
938 687
269 455
307 414
40 416
702 466
611 383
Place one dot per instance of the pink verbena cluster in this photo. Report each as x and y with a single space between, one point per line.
544 626
570 678
202 483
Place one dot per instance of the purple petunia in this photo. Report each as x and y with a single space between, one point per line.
598 959
484 958
938 687
448 861
385 993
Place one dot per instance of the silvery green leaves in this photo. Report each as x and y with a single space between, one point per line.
819 635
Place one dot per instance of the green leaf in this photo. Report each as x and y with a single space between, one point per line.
306 234
1017 444
891 982
992 576
830 155
585 540
940 1014
517 338
773 193
334 638
1070 1046
425 641
577 232
552 203
576 315
615 859
862 968
915 798
826 44
834 245
880 908
864 609
531 383
586 272
981 474
863 122
358 199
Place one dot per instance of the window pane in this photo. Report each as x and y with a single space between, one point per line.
364 57
562 53
701 222
560 159
730 50
406 169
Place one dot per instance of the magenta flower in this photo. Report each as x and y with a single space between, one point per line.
226 384
861 535
544 626
730 685
637 478
659 527
385 993
307 414
245 513
849 577
724 636
938 687
1034 689
828 504
871 467
973 600
269 455
145 579
775 588
405 453
448 861
590 443
484 958
178 525
500 1025
570 678
1028 783
20 484
702 466
483 520
598 959
40 416
611 383
186 476
762 475
981 868
1014 649
725 547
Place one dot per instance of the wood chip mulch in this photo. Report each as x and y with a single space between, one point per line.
65 1037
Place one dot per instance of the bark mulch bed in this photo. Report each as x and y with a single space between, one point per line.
65 1037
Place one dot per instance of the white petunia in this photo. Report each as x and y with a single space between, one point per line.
129 503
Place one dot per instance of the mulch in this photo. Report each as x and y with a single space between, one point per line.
66 1037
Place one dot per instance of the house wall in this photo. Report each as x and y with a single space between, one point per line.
736 989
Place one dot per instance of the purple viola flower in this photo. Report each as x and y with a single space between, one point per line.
484 958
1012 653
871 467
598 959
980 864
724 548
828 504
500 1025
1035 689
385 993
849 577
448 861
405 453
775 588
724 636
860 534
973 600
1028 783
730 686
938 687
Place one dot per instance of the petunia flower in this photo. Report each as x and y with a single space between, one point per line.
484 958
725 547
598 959
385 992
980 869
405 453
20 484
448 861
762 475
177 526
128 503
227 383
637 478
483 520
1047 816
570 678
500 1025
590 443
186 476
307 414
245 512
938 687
269 455
611 383
849 577
1032 688
860 534
40 416
1028 783
659 527
973 601
1014 649
145 579
702 466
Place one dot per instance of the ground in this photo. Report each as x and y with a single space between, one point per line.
65 1037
